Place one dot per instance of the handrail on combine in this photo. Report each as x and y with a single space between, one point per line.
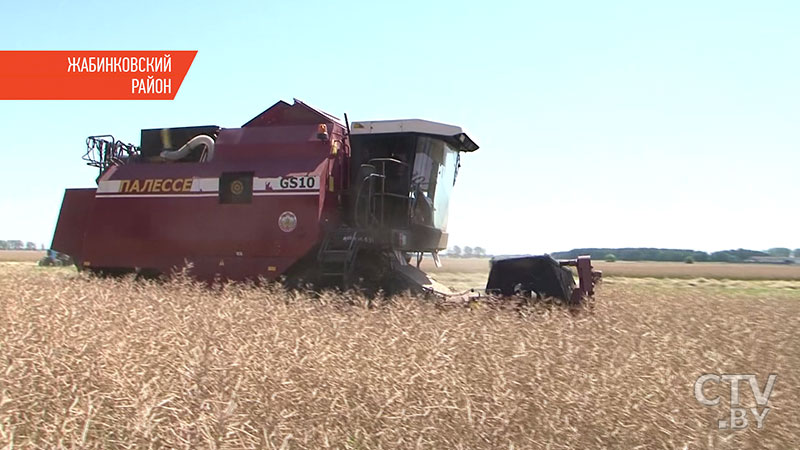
104 151
378 191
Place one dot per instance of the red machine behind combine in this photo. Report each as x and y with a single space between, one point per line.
293 193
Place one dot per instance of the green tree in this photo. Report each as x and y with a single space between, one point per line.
610 257
689 260
3 245
468 252
779 251
724 256
797 253
479 252
455 251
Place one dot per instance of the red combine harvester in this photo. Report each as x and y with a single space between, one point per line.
294 193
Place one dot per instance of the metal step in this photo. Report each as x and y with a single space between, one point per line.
337 254
335 258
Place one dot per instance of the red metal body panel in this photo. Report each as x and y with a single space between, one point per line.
76 209
587 277
163 228
163 233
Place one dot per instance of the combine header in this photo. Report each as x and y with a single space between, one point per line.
293 194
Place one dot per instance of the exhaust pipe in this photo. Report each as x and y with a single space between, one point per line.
187 148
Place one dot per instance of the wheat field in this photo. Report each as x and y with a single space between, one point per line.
104 363
21 255
654 269
462 274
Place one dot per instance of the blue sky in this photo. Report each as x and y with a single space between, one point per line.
607 124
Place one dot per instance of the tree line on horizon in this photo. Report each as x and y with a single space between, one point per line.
668 254
16 244
623 254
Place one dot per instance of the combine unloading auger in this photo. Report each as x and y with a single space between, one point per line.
292 194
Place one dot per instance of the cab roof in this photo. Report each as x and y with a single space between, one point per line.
452 134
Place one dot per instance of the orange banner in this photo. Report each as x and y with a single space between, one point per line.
93 75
